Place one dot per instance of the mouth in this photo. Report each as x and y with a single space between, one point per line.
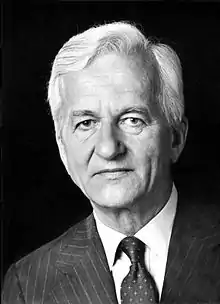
113 173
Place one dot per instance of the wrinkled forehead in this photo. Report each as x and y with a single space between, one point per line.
111 73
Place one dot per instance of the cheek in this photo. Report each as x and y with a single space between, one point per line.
78 154
72 147
146 147
150 151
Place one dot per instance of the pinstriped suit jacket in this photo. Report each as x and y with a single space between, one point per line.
73 268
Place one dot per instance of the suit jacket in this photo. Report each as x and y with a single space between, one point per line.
73 268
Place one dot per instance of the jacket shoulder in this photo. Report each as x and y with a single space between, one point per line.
37 264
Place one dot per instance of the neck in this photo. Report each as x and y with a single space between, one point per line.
129 220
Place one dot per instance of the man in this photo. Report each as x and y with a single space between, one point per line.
118 109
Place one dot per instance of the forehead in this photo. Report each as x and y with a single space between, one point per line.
108 76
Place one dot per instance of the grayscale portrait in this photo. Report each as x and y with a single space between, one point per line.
116 99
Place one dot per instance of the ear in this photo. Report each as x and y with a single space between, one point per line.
178 139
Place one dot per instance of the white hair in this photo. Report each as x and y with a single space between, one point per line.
123 38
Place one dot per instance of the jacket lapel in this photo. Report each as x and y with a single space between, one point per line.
84 275
182 251
173 267
192 262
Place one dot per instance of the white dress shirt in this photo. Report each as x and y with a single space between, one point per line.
155 235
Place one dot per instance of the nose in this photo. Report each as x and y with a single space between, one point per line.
108 145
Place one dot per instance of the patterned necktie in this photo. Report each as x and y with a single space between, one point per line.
138 287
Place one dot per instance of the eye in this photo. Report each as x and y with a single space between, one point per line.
133 121
86 125
132 125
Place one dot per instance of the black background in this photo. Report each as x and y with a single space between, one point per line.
40 200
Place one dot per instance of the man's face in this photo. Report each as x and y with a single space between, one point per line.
116 141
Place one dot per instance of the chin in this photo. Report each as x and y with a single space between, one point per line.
114 197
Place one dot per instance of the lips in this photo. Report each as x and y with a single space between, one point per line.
115 170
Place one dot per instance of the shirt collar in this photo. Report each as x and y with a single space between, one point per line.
155 234
110 239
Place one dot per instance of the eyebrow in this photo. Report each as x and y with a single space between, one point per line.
143 110
80 113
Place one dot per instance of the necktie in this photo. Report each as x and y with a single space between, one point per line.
138 287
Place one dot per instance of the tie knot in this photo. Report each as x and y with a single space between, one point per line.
133 247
